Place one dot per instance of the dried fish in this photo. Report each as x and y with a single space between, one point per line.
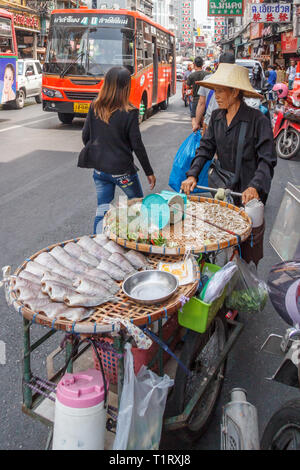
51 276
26 293
82 300
78 252
112 269
94 248
55 290
137 260
36 304
113 247
101 239
91 288
30 277
67 260
36 268
57 310
77 314
121 261
105 281
48 263
17 282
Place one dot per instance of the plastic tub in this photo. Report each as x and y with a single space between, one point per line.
197 315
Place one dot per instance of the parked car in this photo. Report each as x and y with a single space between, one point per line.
29 81
249 64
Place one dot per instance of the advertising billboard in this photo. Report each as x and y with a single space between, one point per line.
225 8
7 79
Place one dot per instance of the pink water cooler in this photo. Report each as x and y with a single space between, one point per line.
80 415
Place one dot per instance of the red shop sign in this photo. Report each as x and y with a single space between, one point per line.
27 21
256 30
288 42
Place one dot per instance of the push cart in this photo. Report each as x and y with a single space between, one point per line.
200 368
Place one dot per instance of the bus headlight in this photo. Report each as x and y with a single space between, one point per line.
52 93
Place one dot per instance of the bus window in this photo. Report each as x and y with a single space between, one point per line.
148 53
89 51
6 39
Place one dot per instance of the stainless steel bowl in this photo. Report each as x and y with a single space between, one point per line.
150 287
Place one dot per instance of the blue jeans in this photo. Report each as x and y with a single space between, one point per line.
105 188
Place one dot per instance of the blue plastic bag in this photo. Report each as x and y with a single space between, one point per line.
182 163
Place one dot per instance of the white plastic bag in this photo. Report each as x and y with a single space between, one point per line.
218 282
142 408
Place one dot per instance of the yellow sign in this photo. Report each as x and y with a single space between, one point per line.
81 108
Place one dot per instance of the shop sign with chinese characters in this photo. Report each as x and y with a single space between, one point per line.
225 8
27 21
271 12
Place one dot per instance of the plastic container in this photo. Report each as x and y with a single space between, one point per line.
171 335
177 204
80 415
197 315
156 210
256 211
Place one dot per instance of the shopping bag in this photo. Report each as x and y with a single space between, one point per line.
248 294
182 163
142 407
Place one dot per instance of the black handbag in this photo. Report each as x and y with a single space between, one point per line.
220 178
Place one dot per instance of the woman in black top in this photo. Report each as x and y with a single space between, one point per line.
111 133
231 84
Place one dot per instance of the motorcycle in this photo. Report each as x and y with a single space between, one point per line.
187 97
287 132
239 430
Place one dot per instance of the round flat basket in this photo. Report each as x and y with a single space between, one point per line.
209 225
101 321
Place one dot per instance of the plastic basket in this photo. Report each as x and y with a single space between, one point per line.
196 315
171 335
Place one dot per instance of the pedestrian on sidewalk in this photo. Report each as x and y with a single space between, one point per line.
207 100
291 74
196 76
272 78
281 75
111 134
237 126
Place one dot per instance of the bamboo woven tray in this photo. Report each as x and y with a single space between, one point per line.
182 248
135 313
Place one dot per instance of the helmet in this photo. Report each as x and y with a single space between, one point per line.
281 89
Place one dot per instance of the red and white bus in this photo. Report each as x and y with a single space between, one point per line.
8 59
84 44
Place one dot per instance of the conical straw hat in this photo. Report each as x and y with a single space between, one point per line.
232 76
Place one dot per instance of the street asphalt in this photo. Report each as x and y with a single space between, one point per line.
45 199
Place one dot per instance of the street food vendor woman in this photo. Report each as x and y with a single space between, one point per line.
253 175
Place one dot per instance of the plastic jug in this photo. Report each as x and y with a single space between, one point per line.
80 415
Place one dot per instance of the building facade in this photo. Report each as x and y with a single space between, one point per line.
143 6
272 43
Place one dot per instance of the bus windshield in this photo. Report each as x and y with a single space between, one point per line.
6 38
89 50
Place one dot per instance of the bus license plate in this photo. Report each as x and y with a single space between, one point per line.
81 108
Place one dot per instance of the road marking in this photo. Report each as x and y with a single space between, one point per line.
27 124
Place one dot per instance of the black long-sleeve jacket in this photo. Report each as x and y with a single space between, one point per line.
110 147
259 156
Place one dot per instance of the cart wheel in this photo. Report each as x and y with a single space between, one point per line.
283 429
199 353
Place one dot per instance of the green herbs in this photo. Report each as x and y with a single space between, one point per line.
250 300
